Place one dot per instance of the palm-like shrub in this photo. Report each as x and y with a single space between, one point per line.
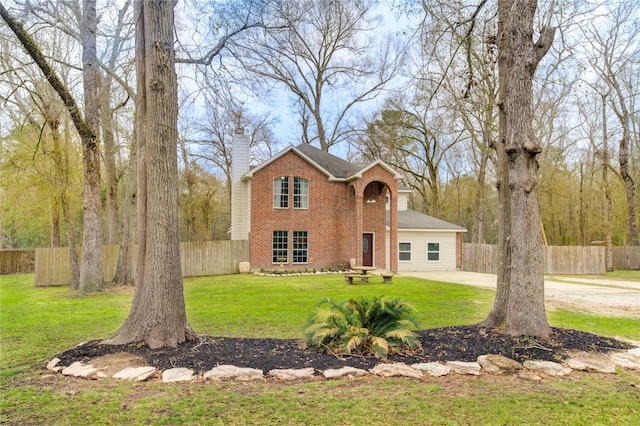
379 327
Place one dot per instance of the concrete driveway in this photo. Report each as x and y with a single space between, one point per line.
591 295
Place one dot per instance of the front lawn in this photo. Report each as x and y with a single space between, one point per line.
37 323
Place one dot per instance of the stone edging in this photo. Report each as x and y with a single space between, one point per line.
490 364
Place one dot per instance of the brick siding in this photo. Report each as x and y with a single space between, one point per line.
330 220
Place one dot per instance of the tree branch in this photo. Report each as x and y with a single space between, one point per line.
34 52
215 51
542 46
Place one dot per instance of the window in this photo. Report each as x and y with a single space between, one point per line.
433 251
281 192
404 251
280 247
300 193
300 247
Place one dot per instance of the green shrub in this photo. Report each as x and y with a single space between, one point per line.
379 327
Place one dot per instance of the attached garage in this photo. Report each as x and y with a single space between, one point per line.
426 243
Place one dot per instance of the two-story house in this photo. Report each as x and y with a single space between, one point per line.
307 209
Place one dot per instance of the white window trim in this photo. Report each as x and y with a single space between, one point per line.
293 205
273 193
439 252
404 251
293 262
288 247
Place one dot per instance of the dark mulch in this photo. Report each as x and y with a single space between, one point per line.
461 343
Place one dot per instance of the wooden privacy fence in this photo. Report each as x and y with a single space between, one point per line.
626 257
198 259
13 261
557 259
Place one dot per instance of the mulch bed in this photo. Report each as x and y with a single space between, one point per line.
460 343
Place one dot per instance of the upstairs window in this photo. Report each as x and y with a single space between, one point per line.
300 193
280 247
281 192
433 252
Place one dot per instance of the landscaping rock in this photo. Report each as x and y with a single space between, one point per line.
527 375
77 369
292 373
230 372
180 374
493 363
627 359
395 370
339 373
591 364
53 365
138 374
466 368
434 369
548 367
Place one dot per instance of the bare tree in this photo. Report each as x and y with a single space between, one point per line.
91 270
117 43
213 135
325 59
91 278
408 136
613 54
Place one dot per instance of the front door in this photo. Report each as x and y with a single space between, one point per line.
367 249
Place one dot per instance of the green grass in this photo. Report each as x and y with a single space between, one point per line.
40 322
617 275
37 323
625 274
628 328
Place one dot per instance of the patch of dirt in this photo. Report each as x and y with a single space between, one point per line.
460 343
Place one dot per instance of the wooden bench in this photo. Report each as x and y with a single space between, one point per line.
349 276
386 277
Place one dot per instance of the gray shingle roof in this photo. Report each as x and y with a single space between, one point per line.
411 219
336 166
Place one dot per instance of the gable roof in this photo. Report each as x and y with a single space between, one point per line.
333 167
413 220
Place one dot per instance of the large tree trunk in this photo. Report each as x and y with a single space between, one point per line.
519 300
91 278
157 315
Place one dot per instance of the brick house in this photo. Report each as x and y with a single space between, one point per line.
307 209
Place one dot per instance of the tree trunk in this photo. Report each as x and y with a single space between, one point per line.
55 222
581 226
629 185
607 189
477 230
498 313
520 294
91 278
157 315
110 173
125 270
